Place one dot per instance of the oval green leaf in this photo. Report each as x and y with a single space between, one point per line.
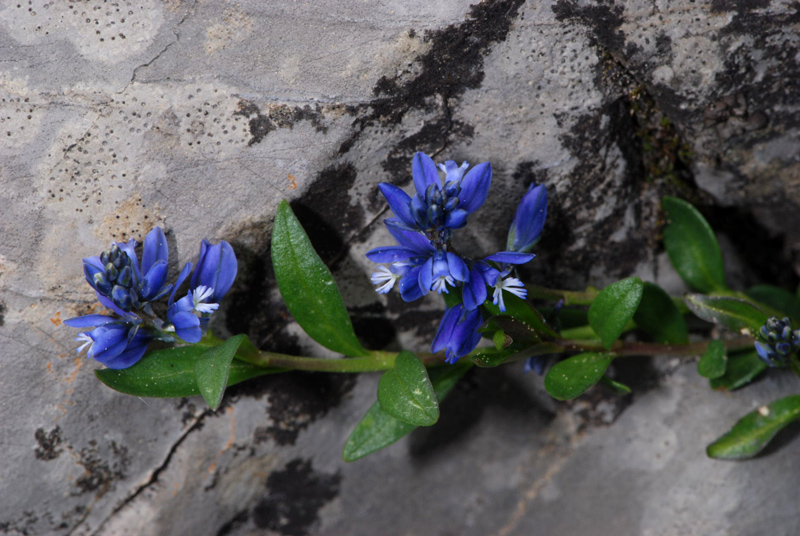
740 370
377 429
169 373
658 316
571 377
518 331
692 246
614 307
405 392
733 313
308 288
752 433
714 361
212 367
524 312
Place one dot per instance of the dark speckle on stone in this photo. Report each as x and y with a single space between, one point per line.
740 6
49 444
100 474
296 495
298 399
277 116
605 20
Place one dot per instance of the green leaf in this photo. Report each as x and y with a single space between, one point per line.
518 331
617 387
658 316
308 288
169 373
524 312
733 313
211 370
752 433
405 392
692 246
573 376
741 370
777 298
713 362
492 357
614 307
377 429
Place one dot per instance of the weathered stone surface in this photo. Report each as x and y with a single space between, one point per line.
201 116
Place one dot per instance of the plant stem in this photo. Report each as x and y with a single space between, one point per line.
622 348
376 361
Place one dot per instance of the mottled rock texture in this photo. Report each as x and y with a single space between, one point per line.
201 116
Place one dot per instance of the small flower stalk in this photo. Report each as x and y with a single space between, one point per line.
129 289
424 261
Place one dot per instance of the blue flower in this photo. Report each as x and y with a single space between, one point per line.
417 264
128 288
212 279
121 284
116 343
216 269
458 333
776 341
526 229
482 275
437 208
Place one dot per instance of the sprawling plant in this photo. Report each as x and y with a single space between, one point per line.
572 345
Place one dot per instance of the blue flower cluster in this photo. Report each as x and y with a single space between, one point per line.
776 342
424 260
129 289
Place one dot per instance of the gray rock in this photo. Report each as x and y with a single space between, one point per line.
201 117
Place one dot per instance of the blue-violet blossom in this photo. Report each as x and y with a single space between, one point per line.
128 288
424 260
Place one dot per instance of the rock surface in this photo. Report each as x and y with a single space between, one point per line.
201 116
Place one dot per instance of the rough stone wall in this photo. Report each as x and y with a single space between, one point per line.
200 116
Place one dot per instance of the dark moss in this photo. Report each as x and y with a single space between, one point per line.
296 494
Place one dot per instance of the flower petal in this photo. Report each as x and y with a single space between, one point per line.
529 219
411 239
155 249
154 280
390 254
474 292
445 330
187 326
424 172
510 257
132 353
458 269
456 219
426 276
89 321
409 285
399 202
181 278
475 187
